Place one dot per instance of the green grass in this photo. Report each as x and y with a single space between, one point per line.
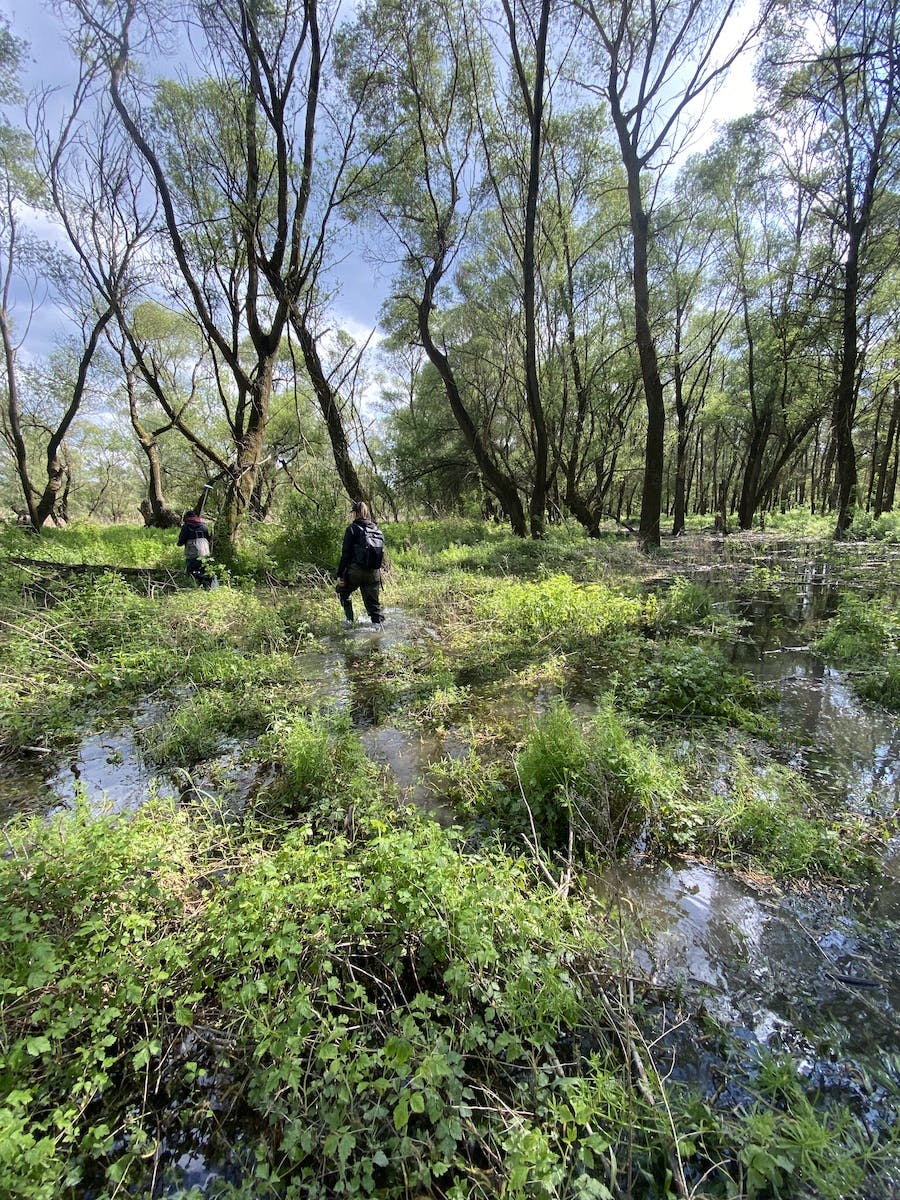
332 996
864 638
374 1013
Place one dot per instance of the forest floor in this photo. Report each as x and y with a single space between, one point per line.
579 880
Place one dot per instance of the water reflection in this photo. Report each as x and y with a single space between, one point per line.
105 768
764 963
408 755
849 749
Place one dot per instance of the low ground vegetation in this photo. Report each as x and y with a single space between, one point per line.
320 991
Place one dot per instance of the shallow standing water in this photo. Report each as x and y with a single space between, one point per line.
814 973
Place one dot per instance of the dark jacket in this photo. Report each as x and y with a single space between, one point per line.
193 528
352 536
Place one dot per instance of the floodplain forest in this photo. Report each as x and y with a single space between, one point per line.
543 890
577 879
535 261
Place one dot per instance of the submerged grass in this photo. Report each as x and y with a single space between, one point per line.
864 638
322 994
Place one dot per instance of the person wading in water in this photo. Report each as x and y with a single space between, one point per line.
362 554
194 536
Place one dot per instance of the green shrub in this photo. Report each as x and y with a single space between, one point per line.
194 730
558 610
600 780
860 633
864 638
683 605
322 768
342 1016
312 533
98 545
764 819
884 528
688 681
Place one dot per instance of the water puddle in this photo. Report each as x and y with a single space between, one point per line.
849 749
815 974
105 768
408 755
763 962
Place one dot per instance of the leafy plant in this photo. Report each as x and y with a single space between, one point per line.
689 681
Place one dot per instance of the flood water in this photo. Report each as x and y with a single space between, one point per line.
814 973
811 972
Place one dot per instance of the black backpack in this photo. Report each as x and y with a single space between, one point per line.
368 547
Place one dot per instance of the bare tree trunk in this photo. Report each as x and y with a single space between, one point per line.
883 497
153 509
651 495
56 470
498 481
330 411
845 399
534 103
20 453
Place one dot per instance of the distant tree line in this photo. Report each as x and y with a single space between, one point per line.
585 320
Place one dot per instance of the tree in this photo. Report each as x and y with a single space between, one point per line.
657 62
700 306
231 154
778 353
422 129
839 61
24 260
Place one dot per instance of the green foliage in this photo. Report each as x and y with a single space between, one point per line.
194 729
884 528
683 605
471 784
312 534
484 548
323 770
688 681
558 611
764 818
599 780
112 545
791 1145
340 1016
860 633
325 995
114 949
864 637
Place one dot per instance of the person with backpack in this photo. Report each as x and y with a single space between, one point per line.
362 554
194 536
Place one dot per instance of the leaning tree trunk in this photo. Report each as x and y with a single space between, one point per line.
57 472
330 411
29 493
753 472
501 485
538 503
680 498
